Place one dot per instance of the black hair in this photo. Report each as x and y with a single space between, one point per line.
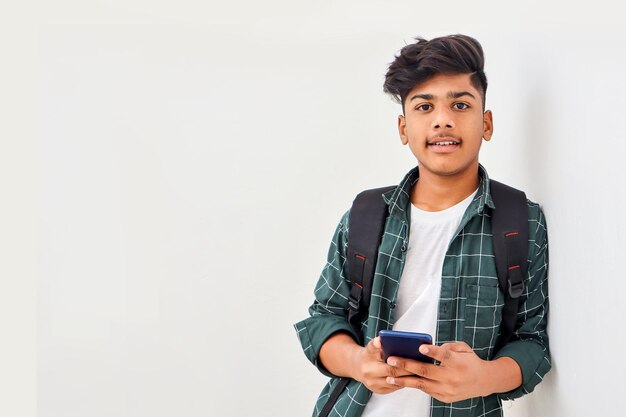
420 61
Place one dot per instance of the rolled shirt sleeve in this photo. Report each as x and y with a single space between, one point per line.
328 313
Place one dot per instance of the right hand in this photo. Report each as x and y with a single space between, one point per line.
371 370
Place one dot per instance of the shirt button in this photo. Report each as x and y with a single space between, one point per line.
392 305
403 248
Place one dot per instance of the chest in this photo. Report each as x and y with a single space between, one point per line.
470 302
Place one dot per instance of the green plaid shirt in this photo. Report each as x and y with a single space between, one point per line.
470 305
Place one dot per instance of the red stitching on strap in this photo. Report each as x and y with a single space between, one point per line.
511 234
361 257
514 267
357 284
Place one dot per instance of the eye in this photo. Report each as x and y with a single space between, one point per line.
423 107
461 106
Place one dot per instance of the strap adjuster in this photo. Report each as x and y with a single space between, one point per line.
354 302
515 290
516 281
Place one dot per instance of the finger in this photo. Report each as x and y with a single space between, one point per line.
458 347
385 388
374 349
439 353
421 369
429 387
397 371
374 345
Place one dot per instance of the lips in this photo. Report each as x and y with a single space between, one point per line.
443 141
443 144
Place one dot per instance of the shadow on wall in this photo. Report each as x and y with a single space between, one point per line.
545 400
540 156
537 141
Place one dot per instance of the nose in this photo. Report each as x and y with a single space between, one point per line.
443 117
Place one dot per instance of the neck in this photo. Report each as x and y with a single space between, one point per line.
436 192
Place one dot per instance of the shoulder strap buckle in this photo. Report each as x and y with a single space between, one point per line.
354 303
516 281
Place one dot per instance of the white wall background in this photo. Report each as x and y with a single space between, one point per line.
172 175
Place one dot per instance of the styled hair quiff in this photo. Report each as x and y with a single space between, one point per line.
420 61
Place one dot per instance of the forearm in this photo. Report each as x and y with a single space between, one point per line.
338 355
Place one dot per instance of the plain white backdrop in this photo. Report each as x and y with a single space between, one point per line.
172 175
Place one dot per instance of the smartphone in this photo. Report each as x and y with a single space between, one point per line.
404 344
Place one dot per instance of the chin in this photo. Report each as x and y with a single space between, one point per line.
448 170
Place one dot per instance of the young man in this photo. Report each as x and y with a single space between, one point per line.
436 269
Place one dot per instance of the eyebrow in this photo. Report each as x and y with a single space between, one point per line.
455 94
422 96
451 94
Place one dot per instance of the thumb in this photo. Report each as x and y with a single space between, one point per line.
375 348
374 345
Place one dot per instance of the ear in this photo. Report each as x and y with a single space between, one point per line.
402 129
487 125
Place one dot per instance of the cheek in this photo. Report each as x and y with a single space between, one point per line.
416 144
414 132
477 131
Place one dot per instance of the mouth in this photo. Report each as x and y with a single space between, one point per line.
446 144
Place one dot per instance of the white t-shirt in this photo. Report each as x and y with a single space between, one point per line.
418 297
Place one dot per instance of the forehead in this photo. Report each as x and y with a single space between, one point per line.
441 84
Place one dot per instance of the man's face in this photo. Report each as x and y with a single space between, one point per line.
444 125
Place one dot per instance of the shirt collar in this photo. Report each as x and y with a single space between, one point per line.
399 198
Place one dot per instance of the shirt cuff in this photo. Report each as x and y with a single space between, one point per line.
528 355
313 333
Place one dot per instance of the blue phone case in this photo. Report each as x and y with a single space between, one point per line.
404 344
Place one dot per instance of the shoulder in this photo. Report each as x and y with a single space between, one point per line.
341 231
344 222
537 230
536 216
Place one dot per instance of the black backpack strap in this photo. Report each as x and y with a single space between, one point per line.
366 224
334 396
509 224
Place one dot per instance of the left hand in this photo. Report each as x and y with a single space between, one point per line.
460 375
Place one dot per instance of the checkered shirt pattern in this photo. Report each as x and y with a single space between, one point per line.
470 305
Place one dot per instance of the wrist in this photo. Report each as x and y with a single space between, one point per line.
501 375
489 378
356 357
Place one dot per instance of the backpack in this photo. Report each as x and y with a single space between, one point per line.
509 224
